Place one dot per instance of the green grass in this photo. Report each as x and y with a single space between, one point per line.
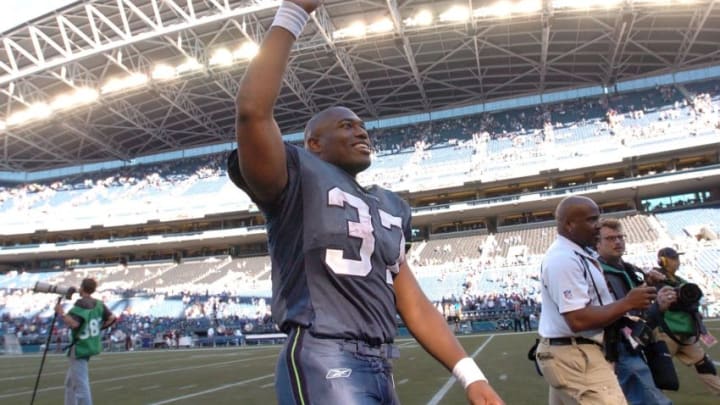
244 375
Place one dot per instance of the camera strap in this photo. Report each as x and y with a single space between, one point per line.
588 273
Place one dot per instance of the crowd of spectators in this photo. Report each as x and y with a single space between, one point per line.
136 178
142 328
478 289
621 114
488 146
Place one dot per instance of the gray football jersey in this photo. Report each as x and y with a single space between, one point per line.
335 248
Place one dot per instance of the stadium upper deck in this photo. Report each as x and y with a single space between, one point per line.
453 152
114 80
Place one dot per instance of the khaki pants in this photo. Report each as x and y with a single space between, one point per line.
578 374
690 355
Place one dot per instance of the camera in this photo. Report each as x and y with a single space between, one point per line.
688 298
63 290
641 332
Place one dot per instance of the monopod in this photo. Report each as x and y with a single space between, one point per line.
47 346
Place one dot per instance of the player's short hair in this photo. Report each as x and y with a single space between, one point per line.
88 285
611 223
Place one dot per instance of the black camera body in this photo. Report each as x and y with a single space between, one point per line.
641 332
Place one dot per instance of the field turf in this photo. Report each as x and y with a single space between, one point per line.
245 375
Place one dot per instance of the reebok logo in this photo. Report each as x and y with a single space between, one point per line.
338 373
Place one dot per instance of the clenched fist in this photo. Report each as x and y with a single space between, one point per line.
641 297
666 297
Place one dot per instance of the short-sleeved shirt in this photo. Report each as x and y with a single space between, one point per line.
335 248
571 279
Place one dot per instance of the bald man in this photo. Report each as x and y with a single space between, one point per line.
338 249
576 306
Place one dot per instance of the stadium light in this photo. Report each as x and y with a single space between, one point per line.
528 6
383 25
190 65
34 111
499 9
2 125
559 4
123 83
80 96
455 14
163 72
221 57
354 30
422 18
248 50
359 29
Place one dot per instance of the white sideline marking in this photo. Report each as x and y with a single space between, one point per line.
408 343
184 387
119 387
127 377
445 388
403 381
129 365
267 385
220 388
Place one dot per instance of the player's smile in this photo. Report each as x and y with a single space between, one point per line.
363 147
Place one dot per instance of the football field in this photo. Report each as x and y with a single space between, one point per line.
245 375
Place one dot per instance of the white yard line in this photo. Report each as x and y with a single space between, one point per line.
129 365
445 388
127 377
211 390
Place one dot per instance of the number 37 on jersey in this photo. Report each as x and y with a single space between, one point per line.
392 243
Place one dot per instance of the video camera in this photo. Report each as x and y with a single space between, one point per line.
66 291
688 298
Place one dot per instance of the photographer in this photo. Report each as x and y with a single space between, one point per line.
681 327
625 338
87 318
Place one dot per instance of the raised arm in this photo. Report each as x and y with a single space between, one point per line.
596 317
428 326
261 153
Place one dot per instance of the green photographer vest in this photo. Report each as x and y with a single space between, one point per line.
86 338
680 322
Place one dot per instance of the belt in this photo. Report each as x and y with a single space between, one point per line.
385 350
567 341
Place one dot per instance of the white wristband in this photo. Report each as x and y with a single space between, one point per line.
291 17
467 372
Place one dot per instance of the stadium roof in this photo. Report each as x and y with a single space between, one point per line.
116 79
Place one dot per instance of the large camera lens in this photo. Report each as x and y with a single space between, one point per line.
689 294
65 291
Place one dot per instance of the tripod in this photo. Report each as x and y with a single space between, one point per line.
47 346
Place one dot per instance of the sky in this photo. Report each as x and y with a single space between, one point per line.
24 10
